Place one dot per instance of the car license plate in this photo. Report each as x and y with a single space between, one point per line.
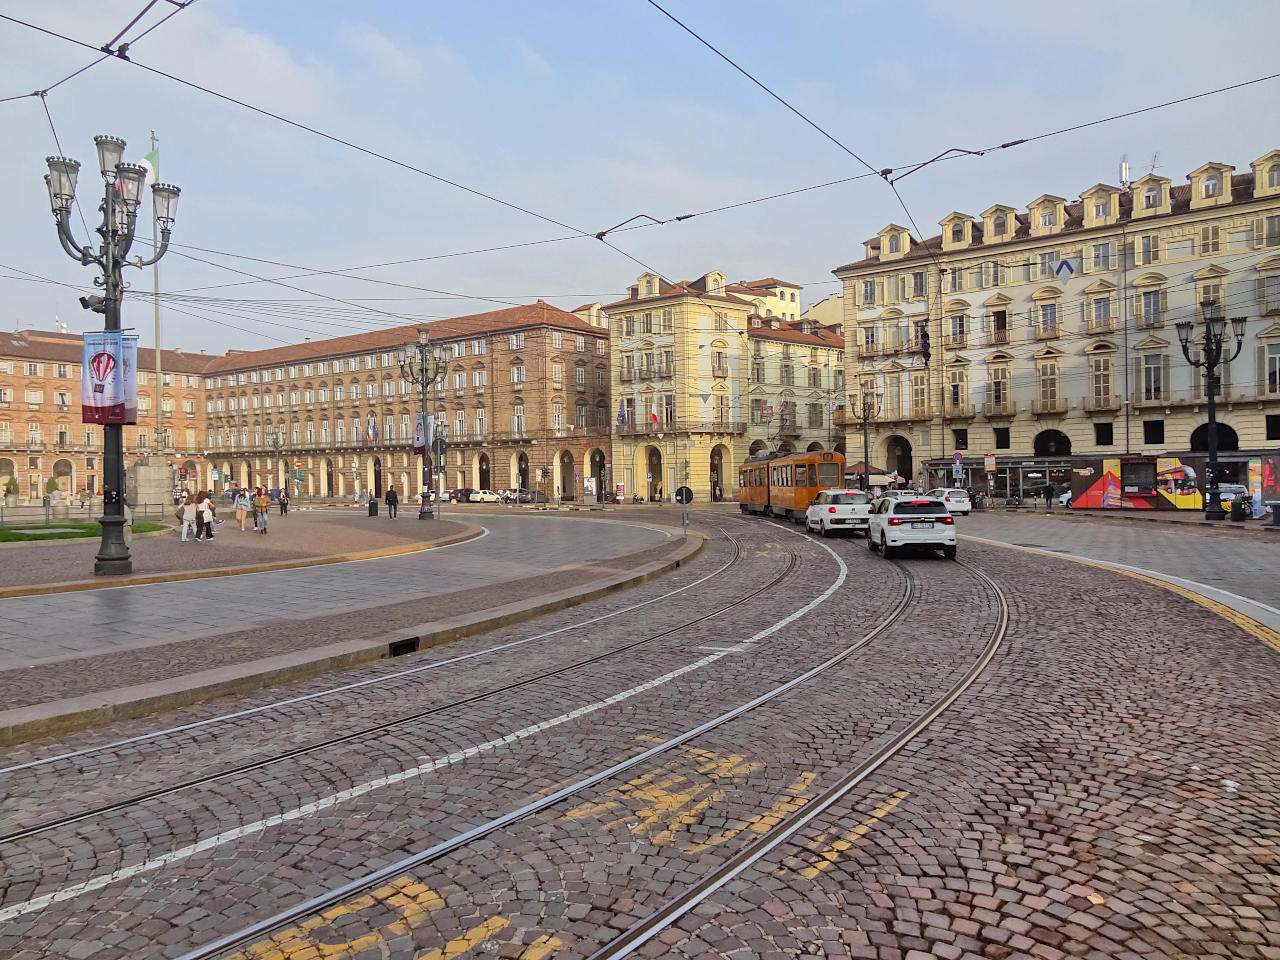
919 525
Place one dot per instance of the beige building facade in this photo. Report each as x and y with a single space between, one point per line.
42 436
524 400
1052 329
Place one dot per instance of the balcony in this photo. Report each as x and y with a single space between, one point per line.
1101 325
1101 404
998 337
681 426
720 370
1161 399
956 340
1042 407
912 412
1047 331
626 376
1150 321
868 349
644 373
958 411
999 408
665 370
517 385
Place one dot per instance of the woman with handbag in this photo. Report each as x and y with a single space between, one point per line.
241 504
205 515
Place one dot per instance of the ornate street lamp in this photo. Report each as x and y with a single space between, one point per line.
1209 349
864 412
123 188
422 365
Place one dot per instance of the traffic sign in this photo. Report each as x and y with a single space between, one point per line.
766 412
957 456
297 463
684 495
957 471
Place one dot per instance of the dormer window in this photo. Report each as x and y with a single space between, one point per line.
1102 209
1273 175
1048 219
957 233
648 288
1151 198
1000 225
1212 185
895 245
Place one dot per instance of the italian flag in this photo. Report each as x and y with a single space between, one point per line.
152 162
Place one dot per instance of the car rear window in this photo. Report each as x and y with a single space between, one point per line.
849 498
919 508
957 493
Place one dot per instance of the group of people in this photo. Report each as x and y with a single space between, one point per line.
198 515
259 505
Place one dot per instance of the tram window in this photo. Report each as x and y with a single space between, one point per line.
813 474
828 475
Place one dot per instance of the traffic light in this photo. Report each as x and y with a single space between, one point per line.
924 341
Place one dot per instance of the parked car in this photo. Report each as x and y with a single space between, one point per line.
956 499
1227 492
891 494
461 494
899 523
530 496
484 496
834 511
1064 498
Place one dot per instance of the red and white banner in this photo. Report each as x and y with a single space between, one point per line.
109 378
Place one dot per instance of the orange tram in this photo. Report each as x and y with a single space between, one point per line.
784 486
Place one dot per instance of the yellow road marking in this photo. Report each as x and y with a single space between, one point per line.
764 822
541 947
467 941
1246 623
826 858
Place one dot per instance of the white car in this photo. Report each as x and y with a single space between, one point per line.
484 496
893 494
898 523
956 498
833 511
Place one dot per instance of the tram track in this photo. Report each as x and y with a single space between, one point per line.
387 725
329 899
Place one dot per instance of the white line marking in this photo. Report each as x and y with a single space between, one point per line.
427 766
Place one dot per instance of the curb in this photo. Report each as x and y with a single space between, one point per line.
469 533
81 541
1258 527
123 703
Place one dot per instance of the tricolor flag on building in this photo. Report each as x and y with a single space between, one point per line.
622 414
653 412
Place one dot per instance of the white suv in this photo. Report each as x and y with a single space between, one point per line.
956 498
917 522
836 510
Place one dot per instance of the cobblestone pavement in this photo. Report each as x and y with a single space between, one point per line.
97 621
1243 565
1107 790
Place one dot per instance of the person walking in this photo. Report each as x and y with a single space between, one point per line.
1048 498
241 505
187 514
393 502
284 502
261 509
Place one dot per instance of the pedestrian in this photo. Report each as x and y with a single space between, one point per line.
205 515
187 514
393 501
1048 498
261 509
284 502
241 504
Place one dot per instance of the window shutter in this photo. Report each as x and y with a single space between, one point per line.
1164 377
1164 303
986 273
1139 388
1086 259
1260 294
1137 307
1137 253
1262 370
1088 309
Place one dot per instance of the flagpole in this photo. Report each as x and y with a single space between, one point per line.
155 296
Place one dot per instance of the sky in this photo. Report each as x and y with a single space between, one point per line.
587 114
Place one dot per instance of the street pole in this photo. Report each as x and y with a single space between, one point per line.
123 188
422 365
1211 357
868 410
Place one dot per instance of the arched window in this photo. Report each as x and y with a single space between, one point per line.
999 225
895 244
1273 175
1212 185
1151 198
957 232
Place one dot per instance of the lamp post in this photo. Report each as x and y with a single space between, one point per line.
1210 347
866 410
123 188
276 439
421 365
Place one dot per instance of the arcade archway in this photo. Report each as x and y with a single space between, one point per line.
898 457
1052 443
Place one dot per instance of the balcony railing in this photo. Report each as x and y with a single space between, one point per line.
958 410
1160 399
910 412
1150 321
999 408
1041 406
868 349
1101 325
664 369
956 340
681 426
1047 331
719 369
1096 404
626 376
997 337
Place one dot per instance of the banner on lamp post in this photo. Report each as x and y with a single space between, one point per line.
420 436
109 378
